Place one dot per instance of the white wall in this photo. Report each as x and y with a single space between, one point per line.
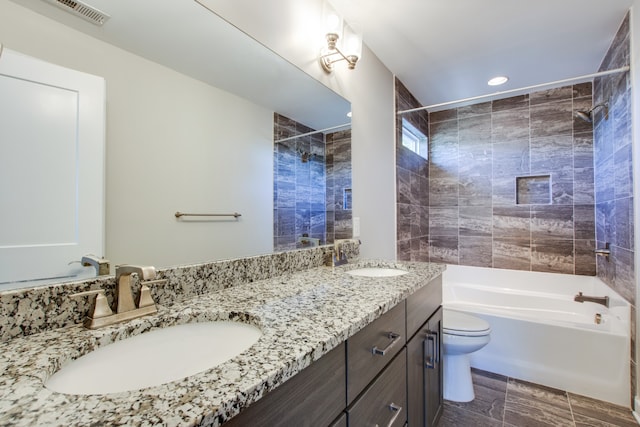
173 143
291 29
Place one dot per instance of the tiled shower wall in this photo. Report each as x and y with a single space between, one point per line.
412 183
310 178
511 183
614 178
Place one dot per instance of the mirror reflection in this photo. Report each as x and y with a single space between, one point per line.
190 127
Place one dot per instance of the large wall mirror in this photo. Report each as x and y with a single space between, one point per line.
193 108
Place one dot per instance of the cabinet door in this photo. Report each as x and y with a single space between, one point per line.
313 397
433 369
372 349
383 403
424 373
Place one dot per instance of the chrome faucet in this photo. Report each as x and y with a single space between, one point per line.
605 252
101 264
102 315
598 300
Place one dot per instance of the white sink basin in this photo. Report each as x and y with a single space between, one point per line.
377 272
153 358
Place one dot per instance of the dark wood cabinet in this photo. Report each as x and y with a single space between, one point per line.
384 403
314 397
389 373
424 373
371 349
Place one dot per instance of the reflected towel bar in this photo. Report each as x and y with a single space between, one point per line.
180 214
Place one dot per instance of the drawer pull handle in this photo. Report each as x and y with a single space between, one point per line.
430 350
394 408
394 339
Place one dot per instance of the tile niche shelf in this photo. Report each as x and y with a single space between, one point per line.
533 190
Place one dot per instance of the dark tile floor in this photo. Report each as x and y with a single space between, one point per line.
506 402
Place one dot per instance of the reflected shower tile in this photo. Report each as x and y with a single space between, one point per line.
403 227
403 182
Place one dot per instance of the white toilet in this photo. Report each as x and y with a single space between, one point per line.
462 334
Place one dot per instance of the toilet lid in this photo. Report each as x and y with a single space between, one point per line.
457 323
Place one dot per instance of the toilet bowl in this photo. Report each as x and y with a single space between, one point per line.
462 335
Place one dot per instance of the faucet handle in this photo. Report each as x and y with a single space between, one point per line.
145 293
101 306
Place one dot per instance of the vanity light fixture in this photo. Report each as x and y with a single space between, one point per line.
343 41
498 80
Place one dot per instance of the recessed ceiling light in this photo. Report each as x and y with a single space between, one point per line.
349 114
497 81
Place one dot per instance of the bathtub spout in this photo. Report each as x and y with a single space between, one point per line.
598 300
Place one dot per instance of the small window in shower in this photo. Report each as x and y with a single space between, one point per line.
414 139
533 190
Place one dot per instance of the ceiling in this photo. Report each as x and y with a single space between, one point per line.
446 50
442 50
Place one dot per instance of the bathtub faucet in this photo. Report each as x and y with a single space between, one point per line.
598 300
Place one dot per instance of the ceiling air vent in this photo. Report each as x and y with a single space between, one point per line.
82 10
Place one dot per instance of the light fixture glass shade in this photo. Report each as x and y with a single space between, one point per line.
352 42
331 24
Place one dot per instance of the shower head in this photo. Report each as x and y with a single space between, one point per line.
587 116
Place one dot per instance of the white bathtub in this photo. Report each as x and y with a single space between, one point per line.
540 334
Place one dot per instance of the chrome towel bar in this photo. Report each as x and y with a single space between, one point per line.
181 214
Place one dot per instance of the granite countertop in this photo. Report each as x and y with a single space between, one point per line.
302 315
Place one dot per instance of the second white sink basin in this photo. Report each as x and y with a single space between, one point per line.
377 272
154 358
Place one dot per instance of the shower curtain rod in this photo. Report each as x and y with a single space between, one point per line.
526 88
314 132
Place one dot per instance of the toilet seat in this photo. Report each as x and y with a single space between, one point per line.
465 325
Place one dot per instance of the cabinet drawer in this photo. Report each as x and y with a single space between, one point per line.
313 397
384 403
422 304
372 349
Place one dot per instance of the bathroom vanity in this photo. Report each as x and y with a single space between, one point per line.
335 348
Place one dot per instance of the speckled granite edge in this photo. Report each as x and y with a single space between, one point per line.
29 311
303 315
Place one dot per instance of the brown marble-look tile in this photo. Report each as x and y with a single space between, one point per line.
511 158
443 249
624 273
405 217
554 256
520 101
474 110
443 192
605 412
403 186
623 219
504 191
583 149
444 115
623 172
552 118
443 221
510 253
583 186
475 191
474 130
475 221
550 95
605 230
461 417
552 154
490 391
420 249
552 222
562 190
510 125
582 89
512 222
529 404
476 251
582 104
585 259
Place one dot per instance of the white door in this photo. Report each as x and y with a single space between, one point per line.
52 125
